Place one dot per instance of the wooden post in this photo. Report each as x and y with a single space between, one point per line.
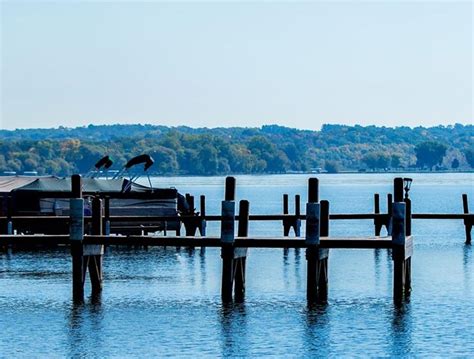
377 222
190 223
202 224
313 190
287 221
106 223
324 221
297 214
323 278
388 223
402 246
408 216
240 254
467 222
76 235
93 253
314 255
227 240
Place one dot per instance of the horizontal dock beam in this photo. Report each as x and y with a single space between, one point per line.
252 217
240 242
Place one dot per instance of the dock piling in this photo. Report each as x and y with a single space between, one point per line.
291 221
202 223
467 221
240 254
106 222
297 215
76 236
93 253
377 222
227 240
402 245
316 257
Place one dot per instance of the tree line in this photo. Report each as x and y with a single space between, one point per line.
269 149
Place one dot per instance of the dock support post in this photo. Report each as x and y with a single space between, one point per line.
323 277
291 221
377 222
467 222
106 223
227 239
286 221
240 254
202 223
388 223
402 245
297 215
93 253
76 236
202 219
195 221
316 285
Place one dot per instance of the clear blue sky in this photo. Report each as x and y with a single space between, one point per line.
392 63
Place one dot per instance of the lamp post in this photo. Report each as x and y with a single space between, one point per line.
406 185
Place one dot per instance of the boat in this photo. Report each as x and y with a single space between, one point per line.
49 196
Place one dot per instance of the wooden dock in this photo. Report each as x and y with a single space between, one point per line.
88 235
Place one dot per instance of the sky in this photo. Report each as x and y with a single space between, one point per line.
222 64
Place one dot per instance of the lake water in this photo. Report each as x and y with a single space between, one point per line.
161 301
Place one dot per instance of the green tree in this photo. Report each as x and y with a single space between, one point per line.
395 161
430 153
455 164
469 154
331 166
376 160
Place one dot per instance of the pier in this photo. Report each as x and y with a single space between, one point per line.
88 235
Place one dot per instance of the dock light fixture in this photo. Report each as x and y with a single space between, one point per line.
406 185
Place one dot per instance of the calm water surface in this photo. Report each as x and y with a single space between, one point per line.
166 301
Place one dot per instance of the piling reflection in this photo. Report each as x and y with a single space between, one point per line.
467 265
202 266
377 260
316 329
298 268
401 330
232 317
85 318
75 334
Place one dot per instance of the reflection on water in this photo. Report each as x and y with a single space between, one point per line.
317 333
401 341
166 301
233 330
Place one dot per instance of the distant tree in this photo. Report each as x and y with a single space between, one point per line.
469 154
430 153
455 164
331 166
395 161
375 160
